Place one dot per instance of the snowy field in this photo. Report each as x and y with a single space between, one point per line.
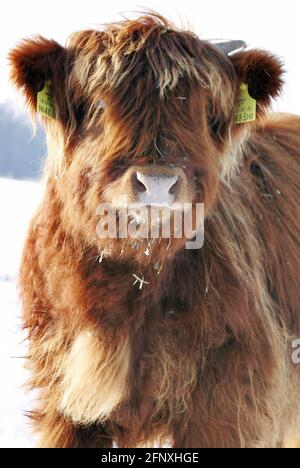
18 202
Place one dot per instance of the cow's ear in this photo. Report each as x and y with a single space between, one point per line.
262 72
35 62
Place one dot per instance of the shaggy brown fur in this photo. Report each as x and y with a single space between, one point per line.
201 355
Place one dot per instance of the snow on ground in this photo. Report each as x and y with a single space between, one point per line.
18 200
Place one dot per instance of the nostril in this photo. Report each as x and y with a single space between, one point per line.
137 184
175 187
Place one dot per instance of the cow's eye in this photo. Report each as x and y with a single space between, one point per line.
213 124
80 112
216 124
83 107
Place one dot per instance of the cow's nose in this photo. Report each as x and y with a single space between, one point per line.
155 189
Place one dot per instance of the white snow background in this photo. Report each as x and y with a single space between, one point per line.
18 200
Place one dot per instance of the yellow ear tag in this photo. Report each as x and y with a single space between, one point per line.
246 106
45 104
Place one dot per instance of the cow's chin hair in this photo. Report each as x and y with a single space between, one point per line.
144 252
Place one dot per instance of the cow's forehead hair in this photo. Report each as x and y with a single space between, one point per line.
122 51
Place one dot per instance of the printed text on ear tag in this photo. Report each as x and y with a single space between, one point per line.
45 104
246 106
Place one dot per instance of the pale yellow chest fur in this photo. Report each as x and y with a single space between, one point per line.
94 378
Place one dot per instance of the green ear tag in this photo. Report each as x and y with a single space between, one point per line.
246 106
45 104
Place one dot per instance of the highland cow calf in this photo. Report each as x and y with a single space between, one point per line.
141 342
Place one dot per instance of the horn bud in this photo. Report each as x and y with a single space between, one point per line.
228 47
